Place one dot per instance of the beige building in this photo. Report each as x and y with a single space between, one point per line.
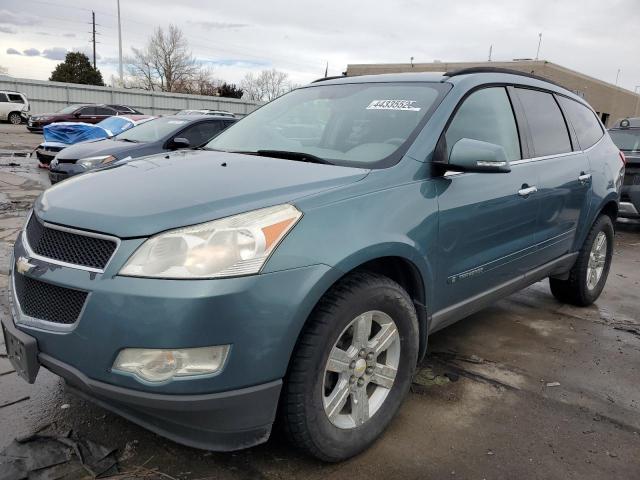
611 102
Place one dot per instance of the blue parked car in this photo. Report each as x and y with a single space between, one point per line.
301 259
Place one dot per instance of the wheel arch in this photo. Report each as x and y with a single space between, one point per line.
398 265
610 208
12 112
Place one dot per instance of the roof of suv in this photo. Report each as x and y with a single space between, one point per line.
487 74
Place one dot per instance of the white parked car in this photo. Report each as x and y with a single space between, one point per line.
14 107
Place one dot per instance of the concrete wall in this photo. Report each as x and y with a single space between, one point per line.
45 97
610 101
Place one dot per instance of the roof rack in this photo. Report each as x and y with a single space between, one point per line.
466 71
324 79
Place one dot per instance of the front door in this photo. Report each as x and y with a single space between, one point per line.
487 221
565 174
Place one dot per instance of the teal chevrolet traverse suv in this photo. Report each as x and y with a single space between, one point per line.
298 262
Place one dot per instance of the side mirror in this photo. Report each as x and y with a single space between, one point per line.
468 155
77 114
179 142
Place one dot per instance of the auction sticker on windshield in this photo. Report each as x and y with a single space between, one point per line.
406 105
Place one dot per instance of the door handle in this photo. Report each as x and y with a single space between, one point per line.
526 191
584 178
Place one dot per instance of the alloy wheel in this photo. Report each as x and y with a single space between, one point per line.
597 260
361 369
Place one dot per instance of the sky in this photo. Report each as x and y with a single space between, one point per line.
234 37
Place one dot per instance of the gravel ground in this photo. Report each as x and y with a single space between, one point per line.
528 388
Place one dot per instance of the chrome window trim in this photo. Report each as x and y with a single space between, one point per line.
522 161
22 319
83 233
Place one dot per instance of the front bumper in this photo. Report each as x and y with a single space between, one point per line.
224 421
260 316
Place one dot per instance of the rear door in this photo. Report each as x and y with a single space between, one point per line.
5 106
88 115
104 112
564 173
487 225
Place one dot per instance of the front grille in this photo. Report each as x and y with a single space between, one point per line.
48 302
69 247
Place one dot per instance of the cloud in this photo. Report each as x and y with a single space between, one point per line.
7 30
218 25
232 62
13 51
31 52
55 53
10 18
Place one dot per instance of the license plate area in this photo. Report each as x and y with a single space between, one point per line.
22 351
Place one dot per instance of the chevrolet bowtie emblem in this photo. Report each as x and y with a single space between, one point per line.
23 265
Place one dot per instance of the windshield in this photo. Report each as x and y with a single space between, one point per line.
357 124
115 125
628 140
69 109
152 131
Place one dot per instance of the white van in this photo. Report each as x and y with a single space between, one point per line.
14 107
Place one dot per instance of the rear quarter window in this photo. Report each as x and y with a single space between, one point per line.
584 122
15 98
547 126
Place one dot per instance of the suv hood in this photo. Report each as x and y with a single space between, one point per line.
160 192
93 148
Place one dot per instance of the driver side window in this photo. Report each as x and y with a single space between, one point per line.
87 111
486 115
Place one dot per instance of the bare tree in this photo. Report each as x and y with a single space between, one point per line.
266 85
202 82
165 64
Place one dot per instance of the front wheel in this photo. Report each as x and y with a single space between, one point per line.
589 274
14 118
352 367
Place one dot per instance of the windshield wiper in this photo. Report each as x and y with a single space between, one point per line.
287 155
128 140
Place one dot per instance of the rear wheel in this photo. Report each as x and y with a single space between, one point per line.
589 274
14 118
352 367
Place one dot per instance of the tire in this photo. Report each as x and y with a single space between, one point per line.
579 289
14 118
308 387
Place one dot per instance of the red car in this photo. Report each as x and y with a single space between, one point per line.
87 113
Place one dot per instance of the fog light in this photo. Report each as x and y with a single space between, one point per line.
159 365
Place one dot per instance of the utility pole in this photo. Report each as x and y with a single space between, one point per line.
490 51
93 24
539 43
120 47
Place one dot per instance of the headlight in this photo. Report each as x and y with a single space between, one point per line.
228 247
91 162
159 365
